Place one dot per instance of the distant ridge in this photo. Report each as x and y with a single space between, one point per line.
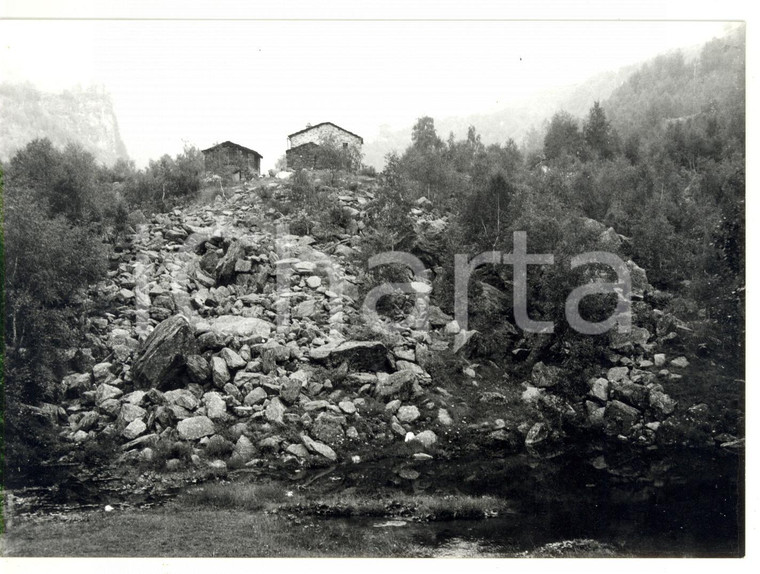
614 89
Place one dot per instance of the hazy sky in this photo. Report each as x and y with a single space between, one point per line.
255 82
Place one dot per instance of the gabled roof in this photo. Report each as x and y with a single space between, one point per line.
325 124
234 145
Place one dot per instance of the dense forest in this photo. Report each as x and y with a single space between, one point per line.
662 161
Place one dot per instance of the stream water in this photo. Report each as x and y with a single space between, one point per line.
676 503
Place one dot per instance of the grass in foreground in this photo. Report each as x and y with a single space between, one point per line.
247 519
179 532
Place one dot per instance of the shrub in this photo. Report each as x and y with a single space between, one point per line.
237 496
166 181
368 170
336 156
302 187
50 261
218 447
166 449
30 440
302 224
265 193
337 215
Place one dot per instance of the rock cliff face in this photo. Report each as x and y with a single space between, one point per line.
83 116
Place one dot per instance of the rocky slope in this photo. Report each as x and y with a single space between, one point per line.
224 341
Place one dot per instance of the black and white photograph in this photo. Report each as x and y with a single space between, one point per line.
343 283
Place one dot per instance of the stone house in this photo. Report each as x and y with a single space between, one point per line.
233 159
304 146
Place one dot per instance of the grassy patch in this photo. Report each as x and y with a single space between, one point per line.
272 496
236 496
581 548
173 532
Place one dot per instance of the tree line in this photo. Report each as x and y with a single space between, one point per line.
673 189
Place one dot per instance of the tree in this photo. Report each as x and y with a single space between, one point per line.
563 138
424 137
74 194
336 155
487 213
428 163
36 166
598 134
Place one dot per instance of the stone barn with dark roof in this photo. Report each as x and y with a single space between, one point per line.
228 157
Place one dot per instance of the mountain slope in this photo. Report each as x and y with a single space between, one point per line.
681 84
83 116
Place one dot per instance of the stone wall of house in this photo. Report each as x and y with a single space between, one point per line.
302 157
320 133
226 156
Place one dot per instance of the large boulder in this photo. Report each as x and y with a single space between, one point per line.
369 356
462 341
636 336
234 360
289 390
88 421
619 418
426 438
630 393
244 448
545 376
216 408
639 282
134 429
105 392
219 372
198 369
247 327
256 396
274 411
195 428
225 269
661 403
616 374
398 385
129 413
437 317
408 414
161 358
74 385
318 447
327 428
599 389
182 398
